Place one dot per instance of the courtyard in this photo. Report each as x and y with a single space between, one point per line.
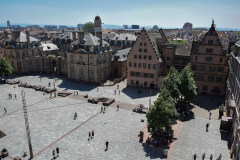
52 124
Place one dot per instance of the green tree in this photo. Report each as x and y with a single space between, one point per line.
187 86
232 48
163 111
171 83
5 68
88 27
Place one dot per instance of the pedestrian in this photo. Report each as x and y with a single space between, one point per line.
15 96
118 92
207 125
220 157
115 92
75 116
40 79
195 156
210 114
118 107
107 145
211 157
57 150
203 156
104 109
92 133
53 152
5 110
101 109
77 92
89 135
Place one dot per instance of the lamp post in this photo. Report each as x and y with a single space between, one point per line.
27 124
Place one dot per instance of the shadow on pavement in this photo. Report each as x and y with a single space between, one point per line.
224 135
208 102
135 93
153 152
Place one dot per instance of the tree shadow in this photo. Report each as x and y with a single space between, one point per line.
208 102
135 93
153 152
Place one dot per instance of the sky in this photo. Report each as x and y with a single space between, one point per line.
164 13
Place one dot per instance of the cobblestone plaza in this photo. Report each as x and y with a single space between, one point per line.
52 125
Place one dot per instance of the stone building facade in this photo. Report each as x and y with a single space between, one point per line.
209 64
233 101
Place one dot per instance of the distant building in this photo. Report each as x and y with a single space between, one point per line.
62 27
16 27
80 26
155 27
50 27
97 24
209 64
187 26
135 26
32 26
125 26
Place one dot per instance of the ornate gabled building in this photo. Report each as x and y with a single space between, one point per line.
209 64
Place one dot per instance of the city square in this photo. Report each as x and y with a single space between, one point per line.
52 124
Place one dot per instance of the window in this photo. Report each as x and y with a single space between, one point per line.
149 66
194 67
140 50
201 68
168 67
137 74
130 64
132 73
145 84
135 65
199 77
144 57
208 59
135 56
196 58
219 79
149 57
91 60
145 44
210 79
145 75
141 44
220 59
132 82
145 50
219 69
210 42
209 50
168 58
151 75
140 56
144 65
205 88
137 83
154 66
212 68
139 65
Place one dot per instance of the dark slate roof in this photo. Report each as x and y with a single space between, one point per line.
109 36
21 39
183 50
90 40
124 36
121 55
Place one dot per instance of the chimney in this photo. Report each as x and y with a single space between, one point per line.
80 37
99 35
15 35
74 36
28 38
5 34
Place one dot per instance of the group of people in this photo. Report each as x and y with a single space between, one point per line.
115 92
75 93
207 125
204 156
10 96
103 109
57 151
91 135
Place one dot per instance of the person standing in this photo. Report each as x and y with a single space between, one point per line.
101 109
207 125
92 133
118 92
89 135
210 114
53 152
15 96
118 107
195 156
220 157
211 157
203 156
107 145
5 110
57 150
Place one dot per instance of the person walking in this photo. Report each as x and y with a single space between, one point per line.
203 156
211 157
118 92
219 157
57 150
89 135
210 114
118 107
107 145
195 156
53 152
75 116
92 133
101 109
15 96
207 125
104 109
5 110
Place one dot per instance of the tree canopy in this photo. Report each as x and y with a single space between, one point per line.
5 68
88 27
187 86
